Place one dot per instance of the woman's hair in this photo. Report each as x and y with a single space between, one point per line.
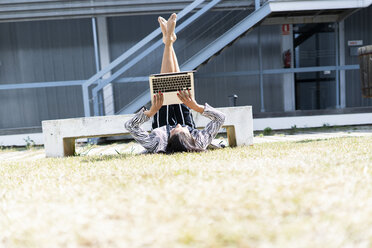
182 142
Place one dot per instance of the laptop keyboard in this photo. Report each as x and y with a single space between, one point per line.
171 84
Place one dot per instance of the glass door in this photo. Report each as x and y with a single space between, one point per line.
314 46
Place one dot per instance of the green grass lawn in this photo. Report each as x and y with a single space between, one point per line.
292 194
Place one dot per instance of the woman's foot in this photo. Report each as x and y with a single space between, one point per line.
171 26
163 27
167 28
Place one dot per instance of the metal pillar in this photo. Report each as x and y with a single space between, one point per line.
337 45
341 35
86 100
96 55
107 103
257 4
289 102
261 70
317 83
95 41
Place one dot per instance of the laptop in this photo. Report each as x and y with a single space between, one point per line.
170 83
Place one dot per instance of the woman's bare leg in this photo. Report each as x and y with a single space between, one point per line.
175 61
169 62
171 25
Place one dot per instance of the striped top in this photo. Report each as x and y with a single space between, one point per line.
157 140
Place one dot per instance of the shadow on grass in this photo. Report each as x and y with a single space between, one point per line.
323 139
20 148
98 158
309 140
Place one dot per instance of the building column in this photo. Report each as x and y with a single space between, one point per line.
104 52
262 98
341 37
289 101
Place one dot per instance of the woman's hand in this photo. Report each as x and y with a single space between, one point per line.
157 103
186 97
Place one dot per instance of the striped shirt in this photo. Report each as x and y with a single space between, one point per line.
157 140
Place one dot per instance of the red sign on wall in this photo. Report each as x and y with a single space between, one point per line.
285 29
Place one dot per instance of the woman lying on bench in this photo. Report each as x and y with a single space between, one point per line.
173 125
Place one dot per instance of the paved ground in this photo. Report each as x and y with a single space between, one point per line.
325 133
22 154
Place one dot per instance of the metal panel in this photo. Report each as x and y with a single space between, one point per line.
239 29
243 55
287 7
301 19
25 108
43 51
216 89
46 51
124 32
41 85
40 10
357 27
302 5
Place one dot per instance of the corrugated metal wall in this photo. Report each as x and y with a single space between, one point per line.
124 32
43 51
357 27
58 50
242 56
20 10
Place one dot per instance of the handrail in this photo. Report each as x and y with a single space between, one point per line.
135 60
236 31
139 45
128 53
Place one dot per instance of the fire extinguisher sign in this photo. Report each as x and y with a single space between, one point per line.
285 29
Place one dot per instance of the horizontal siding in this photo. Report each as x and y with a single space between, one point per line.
28 107
39 10
43 51
61 50
357 27
46 51
243 55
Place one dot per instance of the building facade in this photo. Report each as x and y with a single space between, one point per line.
46 55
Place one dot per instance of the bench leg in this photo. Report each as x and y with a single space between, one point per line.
69 146
52 143
55 145
231 136
243 124
58 147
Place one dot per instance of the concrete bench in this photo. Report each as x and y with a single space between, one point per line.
59 135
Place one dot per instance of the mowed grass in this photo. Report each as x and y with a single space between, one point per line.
293 194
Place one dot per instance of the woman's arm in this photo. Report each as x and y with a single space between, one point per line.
149 142
156 105
189 101
204 138
141 136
